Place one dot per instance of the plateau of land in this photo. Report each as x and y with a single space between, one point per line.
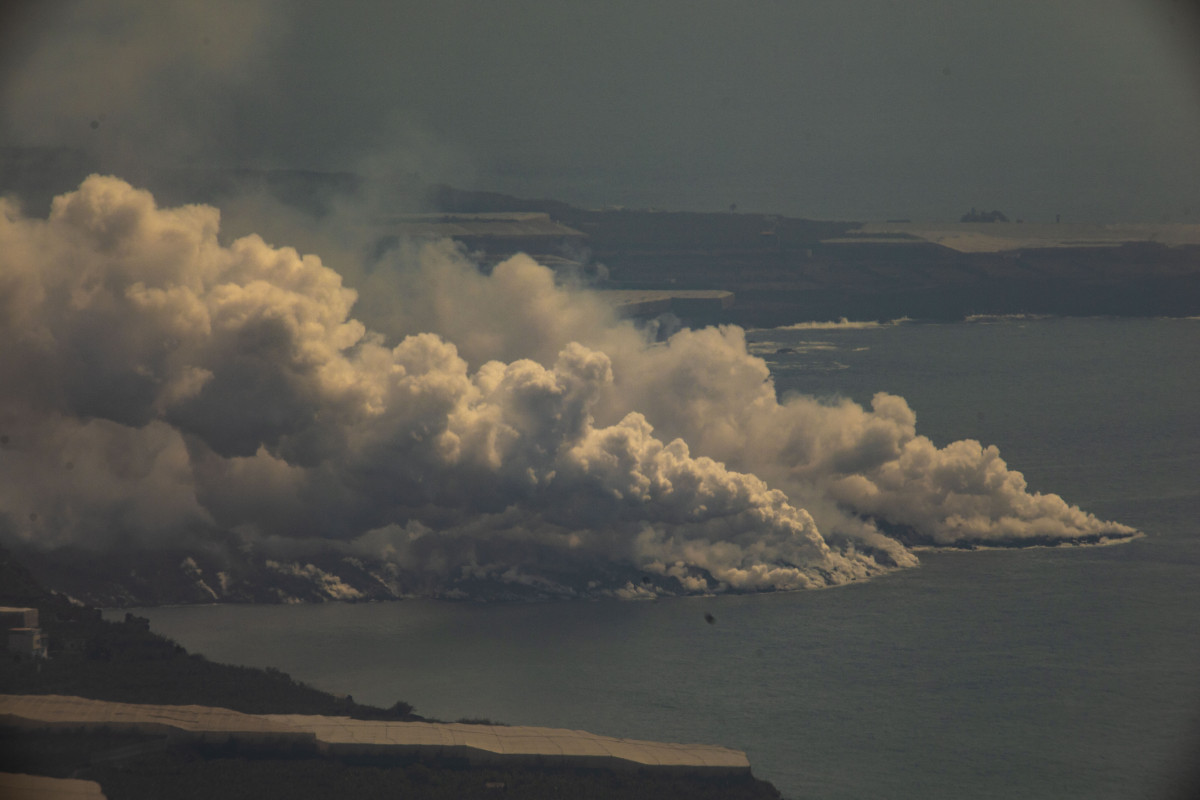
784 270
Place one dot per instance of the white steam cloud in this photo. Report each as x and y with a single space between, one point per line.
157 386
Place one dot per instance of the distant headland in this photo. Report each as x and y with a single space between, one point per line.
776 270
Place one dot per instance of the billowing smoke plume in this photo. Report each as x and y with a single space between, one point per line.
160 388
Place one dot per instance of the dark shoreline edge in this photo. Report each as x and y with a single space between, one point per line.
127 662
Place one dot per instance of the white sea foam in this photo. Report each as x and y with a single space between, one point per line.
988 318
841 324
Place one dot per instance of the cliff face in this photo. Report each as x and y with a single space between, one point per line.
785 270
864 279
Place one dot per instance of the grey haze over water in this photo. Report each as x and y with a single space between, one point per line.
1045 673
867 109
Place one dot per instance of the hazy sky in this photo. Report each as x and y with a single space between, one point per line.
862 109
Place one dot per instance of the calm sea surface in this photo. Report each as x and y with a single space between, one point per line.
1071 673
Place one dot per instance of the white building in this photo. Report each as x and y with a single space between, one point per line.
21 631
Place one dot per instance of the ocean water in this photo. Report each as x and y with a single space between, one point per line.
1045 673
